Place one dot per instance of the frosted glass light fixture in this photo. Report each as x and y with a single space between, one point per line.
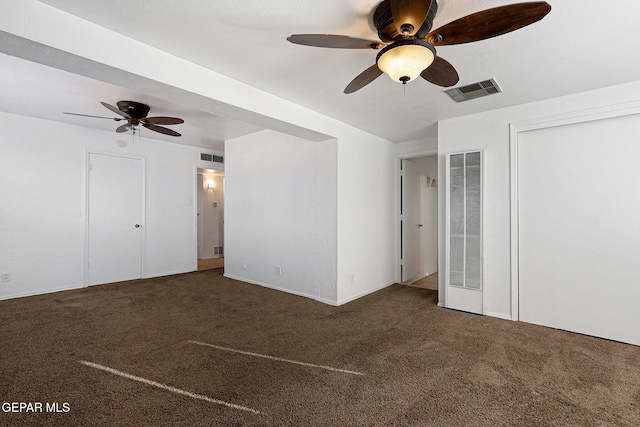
403 61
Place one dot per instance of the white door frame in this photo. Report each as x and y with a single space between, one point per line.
411 155
606 112
194 225
87 167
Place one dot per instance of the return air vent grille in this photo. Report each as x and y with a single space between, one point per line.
473 91
211 158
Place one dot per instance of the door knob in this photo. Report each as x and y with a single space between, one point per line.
137 226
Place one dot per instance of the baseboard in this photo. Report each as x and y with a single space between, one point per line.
415 279
288 291
212 257
498 315
168 273
364 294
41 292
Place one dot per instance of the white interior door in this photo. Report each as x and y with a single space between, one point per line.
115 218
410 221
579 228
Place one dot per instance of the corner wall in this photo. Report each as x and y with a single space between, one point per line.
367 206
281 211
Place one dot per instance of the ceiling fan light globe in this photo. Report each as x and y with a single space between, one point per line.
404 60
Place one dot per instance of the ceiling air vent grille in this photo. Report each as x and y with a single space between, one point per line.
473 91
211 158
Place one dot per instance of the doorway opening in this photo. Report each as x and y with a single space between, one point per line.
419 221
210 223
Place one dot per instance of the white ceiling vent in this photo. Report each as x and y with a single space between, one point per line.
473 91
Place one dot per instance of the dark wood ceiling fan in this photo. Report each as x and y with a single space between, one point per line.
407 46
135 113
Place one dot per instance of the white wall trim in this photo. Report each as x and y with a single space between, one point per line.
419 153
165 274
398 218
41 292
498 315
194 219
447 229
574 117
313 297
514 219
363 294
288 291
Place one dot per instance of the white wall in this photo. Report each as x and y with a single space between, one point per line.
281 210
42 214
363 168
490 131
367 207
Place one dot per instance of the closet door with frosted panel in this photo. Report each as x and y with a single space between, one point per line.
464 232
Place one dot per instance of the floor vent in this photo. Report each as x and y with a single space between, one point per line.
211 158
473 91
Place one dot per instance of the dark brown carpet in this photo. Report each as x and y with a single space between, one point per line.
422 365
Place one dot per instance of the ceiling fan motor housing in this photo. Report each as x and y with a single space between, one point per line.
134 109
383 21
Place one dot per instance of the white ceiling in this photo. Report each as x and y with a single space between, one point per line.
581 45
35 90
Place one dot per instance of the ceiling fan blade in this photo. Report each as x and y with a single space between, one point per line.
116 110
363 79
123 128
441 73
161 129
117 119
161 120
409 15
333 41
489 23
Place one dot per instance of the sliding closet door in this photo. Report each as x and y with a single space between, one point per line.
579 227
464 232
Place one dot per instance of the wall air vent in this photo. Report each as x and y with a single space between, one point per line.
211 158
473 91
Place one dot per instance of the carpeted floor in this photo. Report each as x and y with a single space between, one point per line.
397 360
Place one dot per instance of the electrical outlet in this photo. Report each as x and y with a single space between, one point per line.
279 270
6 277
